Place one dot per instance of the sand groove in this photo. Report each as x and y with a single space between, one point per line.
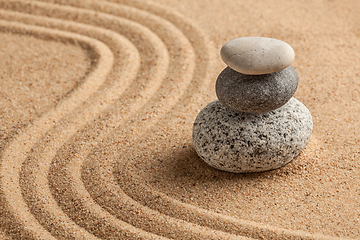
37 188
14 154
68 175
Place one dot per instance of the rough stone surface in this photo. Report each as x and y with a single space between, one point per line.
257 55
256 93
245 142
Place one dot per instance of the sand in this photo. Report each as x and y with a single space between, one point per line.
97 104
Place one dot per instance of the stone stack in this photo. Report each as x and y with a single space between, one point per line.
255 125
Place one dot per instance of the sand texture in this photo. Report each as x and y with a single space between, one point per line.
97 102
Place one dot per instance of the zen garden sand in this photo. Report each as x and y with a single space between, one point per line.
97 105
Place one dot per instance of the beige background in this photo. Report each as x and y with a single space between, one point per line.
97 110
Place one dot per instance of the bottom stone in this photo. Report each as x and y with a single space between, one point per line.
246 142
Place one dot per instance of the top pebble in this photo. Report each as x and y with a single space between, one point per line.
257 55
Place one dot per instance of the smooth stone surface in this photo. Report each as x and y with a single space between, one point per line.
257 55
256 93
244 142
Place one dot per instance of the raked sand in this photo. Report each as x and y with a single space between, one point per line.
97 101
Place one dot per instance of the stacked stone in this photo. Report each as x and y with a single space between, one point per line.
255 125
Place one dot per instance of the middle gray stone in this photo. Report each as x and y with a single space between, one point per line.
256 93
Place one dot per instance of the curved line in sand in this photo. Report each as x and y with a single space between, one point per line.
15 154
37 184
184 229
40 187
173 207
49 157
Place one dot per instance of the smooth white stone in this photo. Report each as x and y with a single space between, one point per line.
257 55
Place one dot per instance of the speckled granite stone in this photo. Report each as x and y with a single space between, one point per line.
256 93
245 142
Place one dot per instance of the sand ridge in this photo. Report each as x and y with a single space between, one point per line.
99 164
